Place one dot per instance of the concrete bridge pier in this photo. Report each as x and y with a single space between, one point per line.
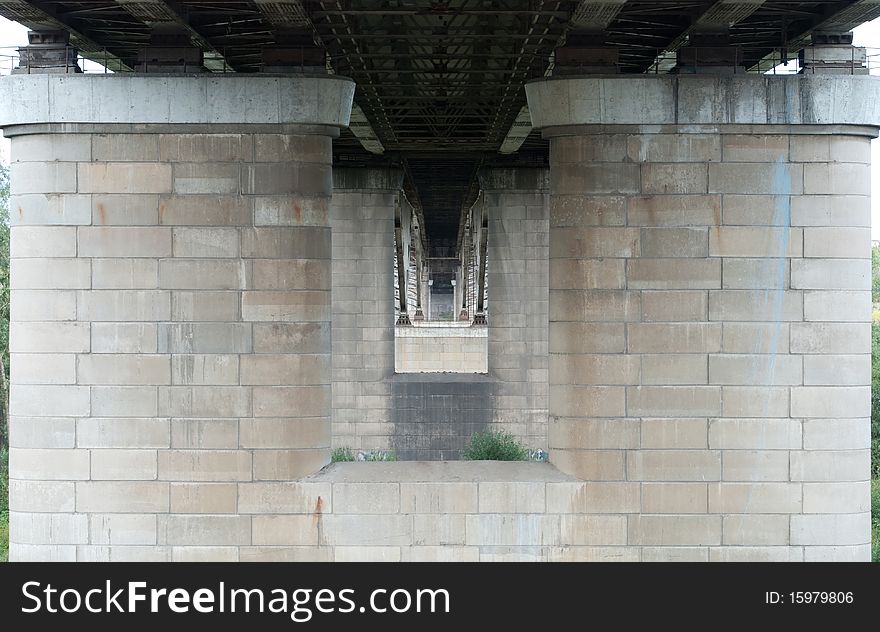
710 306
171 314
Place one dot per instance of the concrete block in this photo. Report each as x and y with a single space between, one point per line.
125 273
755 401
585 243
837 370
123 369
286 177
588 401
200 305
756 554
291 210
43 177
123 177
590 465
582 210
673 148
41 496
202 274
54 147
204 554
285 497
756 178
677 498
123 465
755 241
368 530
49 465
755 274
594 305
205 465
675 306
674 433
438 498
50 209
302 530
756 370
283 147
204 530
204 401
438 529
763 434
123 433
587 530
595 178
594 369
205 242
204 369
42 305
654 530
121 497
294 274
123 338
837 434
830 210
674 178
830 465
675 242
673 337
755 529
599 274
756 305
671 368
123 209
123 305
835 529
831 274
754 498
571 337
842 498
757 210
595 433
287 465
831 401
837 242
204 434
207 498
42 432
124 241
755 337
205 338
673 465
40 400
49 337
125 147
284 433
205 210
42 241
592 497
673 274
213 177
123 401
755 148
366 498
41 528
837 178
50 274
205 147
837 306
671 401
674 210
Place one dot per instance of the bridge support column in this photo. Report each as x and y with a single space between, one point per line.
710 306
171 309
517 200
362 215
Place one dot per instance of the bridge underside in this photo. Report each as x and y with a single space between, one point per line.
230 257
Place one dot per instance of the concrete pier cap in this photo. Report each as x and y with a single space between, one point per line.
176 99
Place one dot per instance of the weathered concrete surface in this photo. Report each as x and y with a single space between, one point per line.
435 349
189 99
362 217
171 309
746 99
518 266
705 275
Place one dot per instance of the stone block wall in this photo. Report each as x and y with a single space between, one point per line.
517 202
710 332
362 217
435 349
170 334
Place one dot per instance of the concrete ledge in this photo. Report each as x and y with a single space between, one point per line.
701 99
439 472
188 99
